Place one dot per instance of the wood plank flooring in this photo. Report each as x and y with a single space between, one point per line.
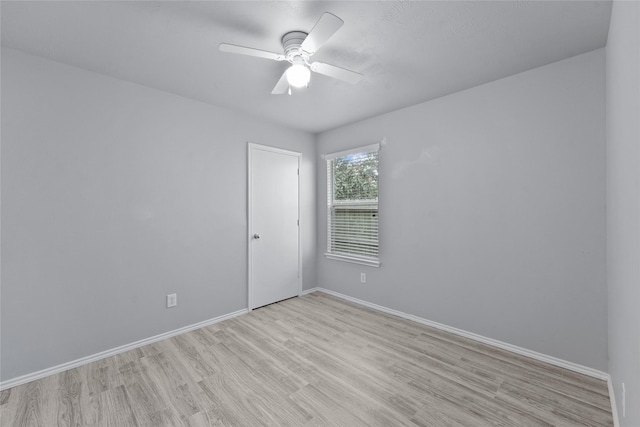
312 361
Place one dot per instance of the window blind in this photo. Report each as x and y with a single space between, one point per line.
352 203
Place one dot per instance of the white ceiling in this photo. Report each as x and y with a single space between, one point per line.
409 51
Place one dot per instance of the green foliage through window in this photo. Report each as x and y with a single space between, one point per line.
355 177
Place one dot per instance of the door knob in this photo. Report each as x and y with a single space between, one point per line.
256 236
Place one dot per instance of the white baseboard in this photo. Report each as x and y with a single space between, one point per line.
614 408
111 352
489 341
485 340
309 291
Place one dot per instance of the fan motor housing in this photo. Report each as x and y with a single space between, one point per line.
291 43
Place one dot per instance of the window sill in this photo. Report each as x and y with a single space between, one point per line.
371 262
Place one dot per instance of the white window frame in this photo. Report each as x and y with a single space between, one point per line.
352 258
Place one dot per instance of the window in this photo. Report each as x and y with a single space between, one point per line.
352 205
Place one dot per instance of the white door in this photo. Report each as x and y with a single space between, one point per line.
274 243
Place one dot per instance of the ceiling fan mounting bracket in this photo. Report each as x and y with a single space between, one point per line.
291 42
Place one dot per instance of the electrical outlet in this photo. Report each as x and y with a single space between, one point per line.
172 300
624 401
363 278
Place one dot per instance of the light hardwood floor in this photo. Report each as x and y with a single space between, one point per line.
318 361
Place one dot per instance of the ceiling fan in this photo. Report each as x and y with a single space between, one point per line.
298 47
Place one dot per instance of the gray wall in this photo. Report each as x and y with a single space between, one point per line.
623 205
114 195
492 210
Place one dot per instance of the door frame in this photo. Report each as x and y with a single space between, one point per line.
250 147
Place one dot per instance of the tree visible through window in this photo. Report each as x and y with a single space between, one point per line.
353 205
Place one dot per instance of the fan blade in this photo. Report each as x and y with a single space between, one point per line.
282 85
326 26
232 48
336 72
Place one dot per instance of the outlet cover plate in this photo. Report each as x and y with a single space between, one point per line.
172 300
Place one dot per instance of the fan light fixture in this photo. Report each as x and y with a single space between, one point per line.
298 75
298 47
